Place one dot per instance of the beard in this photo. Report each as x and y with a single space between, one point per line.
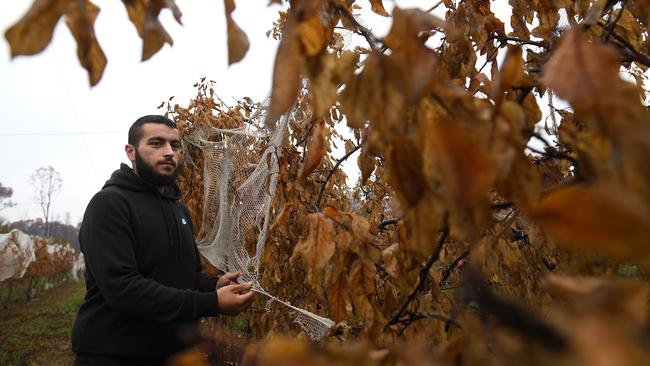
147 173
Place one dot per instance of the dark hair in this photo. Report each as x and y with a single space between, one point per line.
135 132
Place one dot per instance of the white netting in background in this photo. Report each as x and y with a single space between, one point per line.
240 175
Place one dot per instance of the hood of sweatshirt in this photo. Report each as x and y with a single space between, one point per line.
126 178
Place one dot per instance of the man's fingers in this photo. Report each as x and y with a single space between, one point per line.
232 276
240 287
248 297
245 300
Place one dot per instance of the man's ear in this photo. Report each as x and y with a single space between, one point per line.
130 152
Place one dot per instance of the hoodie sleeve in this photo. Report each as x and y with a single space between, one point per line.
107 242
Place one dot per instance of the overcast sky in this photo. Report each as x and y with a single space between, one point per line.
52 117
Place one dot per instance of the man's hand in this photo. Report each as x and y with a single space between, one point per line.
228 279
233 299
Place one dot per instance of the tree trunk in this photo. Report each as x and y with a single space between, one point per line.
10 292
28 294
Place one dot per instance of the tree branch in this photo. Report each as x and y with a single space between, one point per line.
329 175
632 53
613 25
447 271
385 223
411 317
490 57
424 273
541 44
365 32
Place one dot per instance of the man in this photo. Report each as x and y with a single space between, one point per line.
144 286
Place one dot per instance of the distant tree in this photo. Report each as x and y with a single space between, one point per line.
47 183
5 202
5 195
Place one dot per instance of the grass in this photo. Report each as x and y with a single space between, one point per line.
38 332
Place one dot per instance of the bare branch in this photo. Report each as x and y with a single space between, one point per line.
424 273
613 25
541 44
365 32
329 175
385 223
410 317
628 50
447 271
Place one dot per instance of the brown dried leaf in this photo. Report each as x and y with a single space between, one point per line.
33 32
286 73
282 216
469 171
374 95
415 61
316 150
137 10
144 16
602 217
362 277
366 164
237 40
378 7
511 73
338 298
586 74
627 300
312 35
81 20
323 84
405 167
318 247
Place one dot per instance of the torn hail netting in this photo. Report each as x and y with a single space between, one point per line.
240 176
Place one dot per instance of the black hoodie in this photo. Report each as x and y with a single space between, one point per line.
144 287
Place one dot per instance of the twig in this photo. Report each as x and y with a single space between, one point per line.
385 223
435 6
424 273
447 271
541 44
633 54
613 25
307 136
551 153
329 175
365 32
553 111
410 317
540 138
490 57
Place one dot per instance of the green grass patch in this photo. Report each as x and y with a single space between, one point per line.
38 332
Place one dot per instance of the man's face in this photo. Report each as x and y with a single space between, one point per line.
157 154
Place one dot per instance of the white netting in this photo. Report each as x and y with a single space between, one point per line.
17 252
240 175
